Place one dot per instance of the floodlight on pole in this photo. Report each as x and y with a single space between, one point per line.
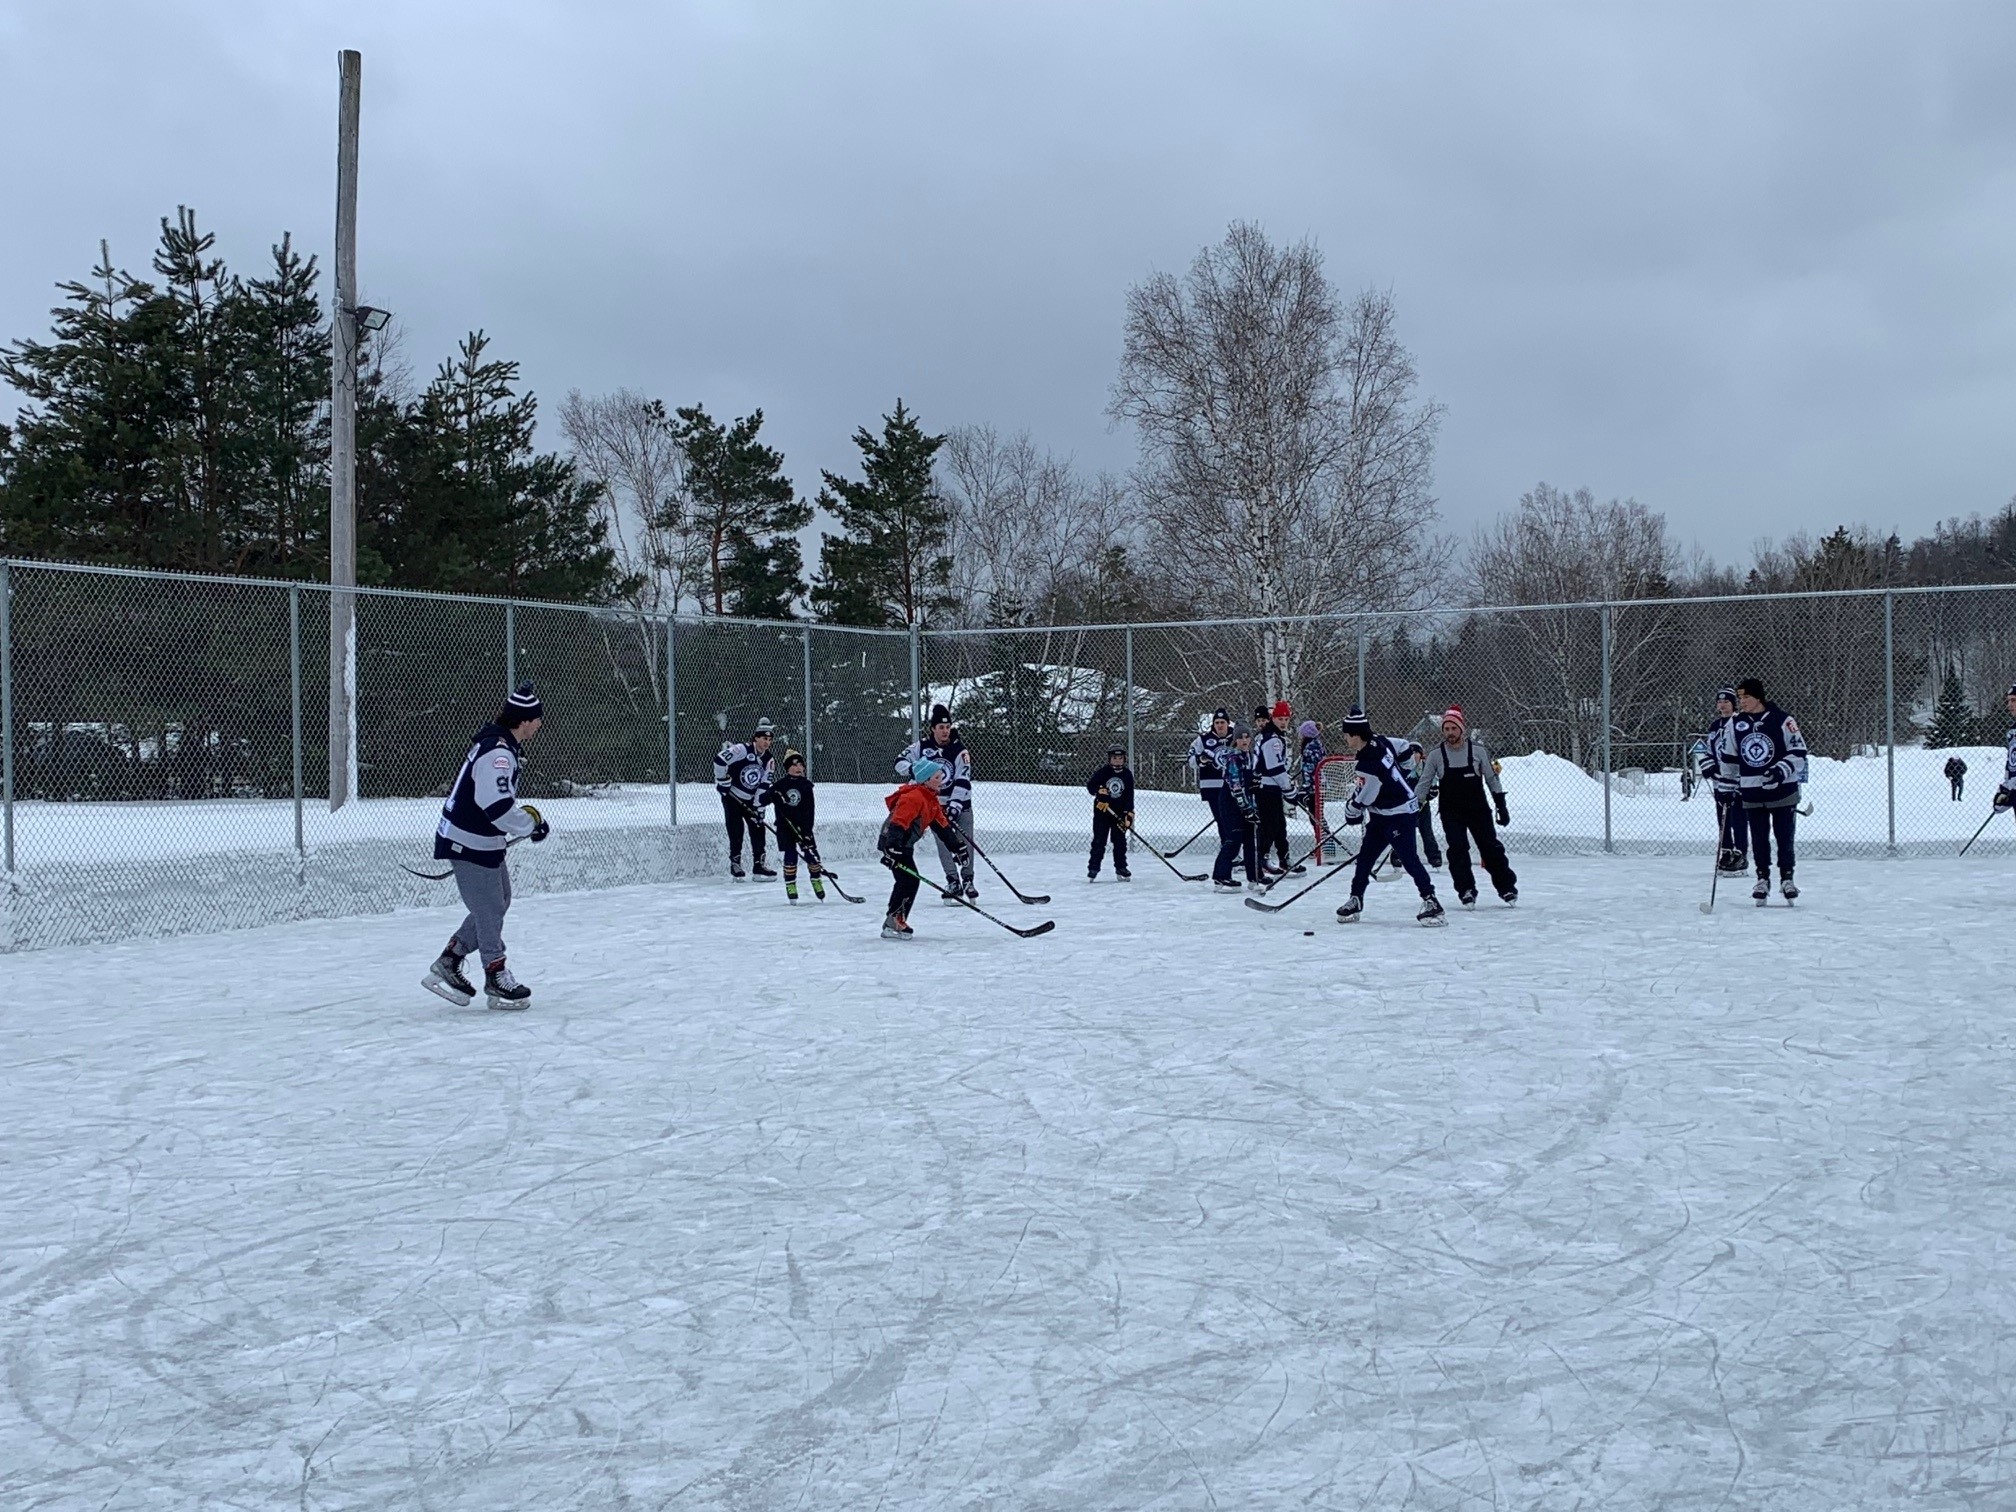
371 320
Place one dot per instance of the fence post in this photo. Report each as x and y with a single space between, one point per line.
1890 716
7 720
806 747
510 649
1606 728
917 688
294 685
1361 669
1133 756
672 718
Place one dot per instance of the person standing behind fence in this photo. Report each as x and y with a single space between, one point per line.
942 744
1112 788
742 776
480 819
1732 832
1463 779
1956 776
1763 750
1271 783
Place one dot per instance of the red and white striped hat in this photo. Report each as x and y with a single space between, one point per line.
1454 715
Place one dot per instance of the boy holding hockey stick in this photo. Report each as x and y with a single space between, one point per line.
913 809
1112 788
791 795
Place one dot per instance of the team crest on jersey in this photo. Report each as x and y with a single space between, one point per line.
1115 787
1758 749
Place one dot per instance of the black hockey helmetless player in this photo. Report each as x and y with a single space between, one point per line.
1461 778
1383 801
1272 780
941 743
1762 749
1207 759
479 820
791 795
1240 800
742 776
1112 788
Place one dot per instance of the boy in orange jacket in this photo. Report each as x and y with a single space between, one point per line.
913 809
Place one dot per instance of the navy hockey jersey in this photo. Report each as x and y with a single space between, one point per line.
1764 754
740 769
957 791
1381 785
1207 759
481 816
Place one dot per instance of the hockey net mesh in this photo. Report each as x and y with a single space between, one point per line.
1334 776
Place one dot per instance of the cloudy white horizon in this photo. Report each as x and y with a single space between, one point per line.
1746 264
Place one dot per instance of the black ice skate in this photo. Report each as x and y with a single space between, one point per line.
503 989
1349 910
762 870
1227 886
1467 897
1761 889
1508 895
736 873
1787 888
445 980
1731 862
972 891
1122 876
1432 911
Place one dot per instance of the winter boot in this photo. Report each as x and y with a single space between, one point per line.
445 979
503 989
1349 910
1508 895
1431 911
1762 888
1467 897
1787 888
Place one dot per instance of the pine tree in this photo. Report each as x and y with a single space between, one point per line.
1954 722
742 513
890 565
459 500
284 374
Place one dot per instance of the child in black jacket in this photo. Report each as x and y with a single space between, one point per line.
1112 787
791 795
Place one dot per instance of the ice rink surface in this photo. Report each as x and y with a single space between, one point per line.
1592 1203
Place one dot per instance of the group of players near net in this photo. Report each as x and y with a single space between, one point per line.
1753 755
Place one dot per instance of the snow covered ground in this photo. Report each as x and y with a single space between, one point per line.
1596 1202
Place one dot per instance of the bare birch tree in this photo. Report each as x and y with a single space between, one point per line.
1285 459
626 443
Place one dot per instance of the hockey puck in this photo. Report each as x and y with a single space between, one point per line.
1310 932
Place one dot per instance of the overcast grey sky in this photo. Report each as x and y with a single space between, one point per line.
1750 263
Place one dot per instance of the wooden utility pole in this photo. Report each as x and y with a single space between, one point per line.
343 447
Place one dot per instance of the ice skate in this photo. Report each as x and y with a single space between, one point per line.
445 980
762 870
736 873
503 989
1122 876
972 892
1467 897
897 928
1349 910
1432 912
1761 890
1787 888
1227 885
1508 896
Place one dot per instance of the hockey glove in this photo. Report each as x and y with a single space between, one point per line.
2004 798
1354 816
1498 802
954 809
540 828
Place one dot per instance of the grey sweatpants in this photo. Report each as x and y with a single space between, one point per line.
963 824
486 893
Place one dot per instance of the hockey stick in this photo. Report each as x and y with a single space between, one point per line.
1980 832
1194 838
965 902
1255 903
444 876
1021 896
1142 840
812 858
1309 856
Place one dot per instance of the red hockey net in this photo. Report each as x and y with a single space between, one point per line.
1334 776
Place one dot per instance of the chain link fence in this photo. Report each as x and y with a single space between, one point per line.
164 739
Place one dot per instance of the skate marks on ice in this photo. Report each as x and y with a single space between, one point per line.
1592 1202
